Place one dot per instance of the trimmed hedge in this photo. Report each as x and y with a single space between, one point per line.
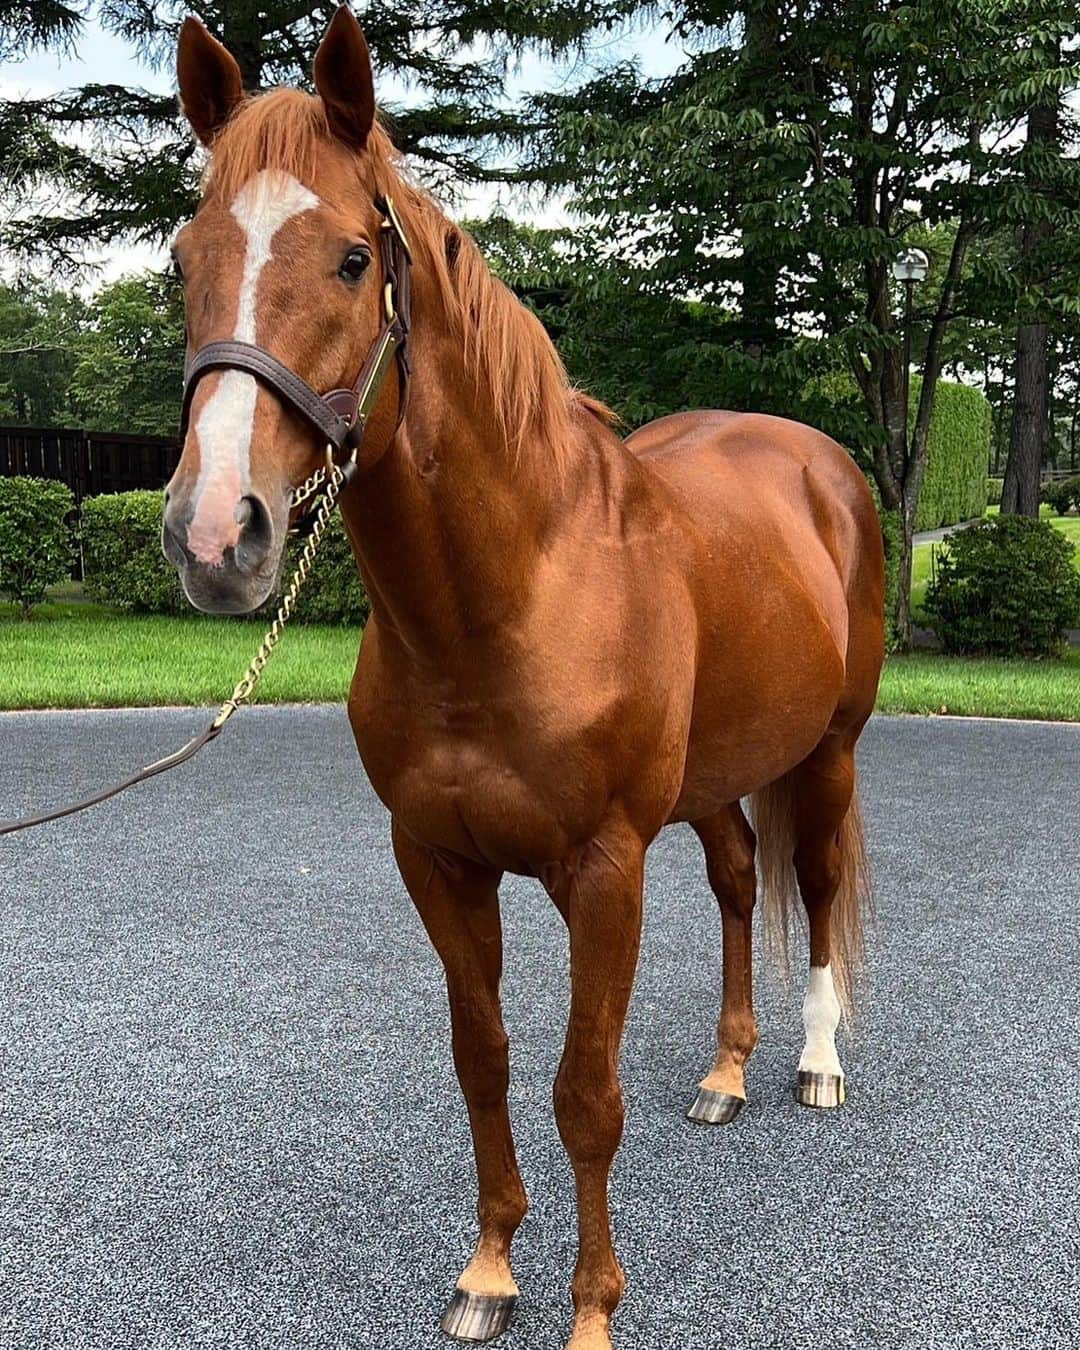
35 542
1006 587
955 487
122 559
124 564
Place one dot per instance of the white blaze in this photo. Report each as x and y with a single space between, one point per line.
821 1017
224 426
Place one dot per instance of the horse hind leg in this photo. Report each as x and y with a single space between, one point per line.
816 807
728 842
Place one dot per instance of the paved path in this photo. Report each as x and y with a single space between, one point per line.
935 536
228 1116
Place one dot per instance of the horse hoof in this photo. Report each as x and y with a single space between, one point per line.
478 1317
819 1089
714 1108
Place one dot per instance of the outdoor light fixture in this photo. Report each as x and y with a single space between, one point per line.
911 265
909 268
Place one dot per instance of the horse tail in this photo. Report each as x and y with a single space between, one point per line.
774 816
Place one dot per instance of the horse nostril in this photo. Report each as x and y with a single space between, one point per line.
256 533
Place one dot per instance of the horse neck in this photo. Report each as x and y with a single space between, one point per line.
448 524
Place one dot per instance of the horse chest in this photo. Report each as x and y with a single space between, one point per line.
457 784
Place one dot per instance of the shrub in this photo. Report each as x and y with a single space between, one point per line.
994 489
955 487
35 542
1005 586
1063 495
124 565
122 559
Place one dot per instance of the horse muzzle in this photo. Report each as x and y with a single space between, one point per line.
228 562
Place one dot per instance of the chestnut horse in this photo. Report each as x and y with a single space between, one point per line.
575 639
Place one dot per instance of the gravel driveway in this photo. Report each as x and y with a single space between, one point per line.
228 1115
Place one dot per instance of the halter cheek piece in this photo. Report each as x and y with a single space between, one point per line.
340 416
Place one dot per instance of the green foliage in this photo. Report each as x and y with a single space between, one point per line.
994 488
35 542
955 486
113 364
1063 496
39 333
778 172
28 24
124 564
112 162
128 373
1005 587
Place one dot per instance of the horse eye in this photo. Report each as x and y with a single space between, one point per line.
355 264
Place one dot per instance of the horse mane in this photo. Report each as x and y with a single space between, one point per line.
504 344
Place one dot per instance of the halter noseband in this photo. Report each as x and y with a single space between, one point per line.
341 415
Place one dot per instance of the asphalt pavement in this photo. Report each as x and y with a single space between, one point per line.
228 1116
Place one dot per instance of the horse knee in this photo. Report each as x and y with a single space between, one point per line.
589 1115
481 1058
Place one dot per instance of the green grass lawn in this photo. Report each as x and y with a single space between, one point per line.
928 682
78 655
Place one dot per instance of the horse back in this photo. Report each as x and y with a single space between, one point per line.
738 474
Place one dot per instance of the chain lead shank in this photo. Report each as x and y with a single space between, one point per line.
335 477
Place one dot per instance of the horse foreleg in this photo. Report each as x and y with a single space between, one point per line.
600 898
459 904
728 841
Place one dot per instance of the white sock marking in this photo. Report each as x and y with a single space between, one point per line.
821 1017
224 425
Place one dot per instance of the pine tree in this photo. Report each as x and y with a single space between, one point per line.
131 170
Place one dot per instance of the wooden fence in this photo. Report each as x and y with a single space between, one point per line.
89 462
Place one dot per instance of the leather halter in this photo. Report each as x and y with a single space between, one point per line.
339 416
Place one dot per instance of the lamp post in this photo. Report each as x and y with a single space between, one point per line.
909 268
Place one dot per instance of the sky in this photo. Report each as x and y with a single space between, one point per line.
103 58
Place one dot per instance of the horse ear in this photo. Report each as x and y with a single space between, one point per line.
343 78
211 85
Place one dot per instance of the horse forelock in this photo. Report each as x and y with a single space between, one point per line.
506 350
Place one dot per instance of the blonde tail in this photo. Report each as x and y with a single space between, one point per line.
774 825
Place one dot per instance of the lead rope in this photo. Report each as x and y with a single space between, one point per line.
334 477
331 480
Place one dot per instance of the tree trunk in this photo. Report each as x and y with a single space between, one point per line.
902 614
243 34
914 449
1027 430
